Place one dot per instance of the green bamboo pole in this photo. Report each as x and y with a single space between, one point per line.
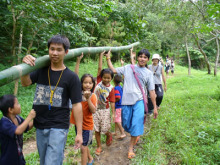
15 72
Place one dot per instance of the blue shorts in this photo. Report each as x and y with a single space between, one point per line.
87 137
133 118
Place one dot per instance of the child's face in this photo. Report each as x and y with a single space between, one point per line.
17 107
87 84
106 78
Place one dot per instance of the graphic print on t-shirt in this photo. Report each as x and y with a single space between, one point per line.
42 95
102 92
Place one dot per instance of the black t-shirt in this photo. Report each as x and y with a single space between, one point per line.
69 88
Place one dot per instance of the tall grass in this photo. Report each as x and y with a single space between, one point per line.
187 130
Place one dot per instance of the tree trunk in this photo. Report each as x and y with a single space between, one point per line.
217 58
31 43
204 54
13 34
13 46
188 55
19 52
15 72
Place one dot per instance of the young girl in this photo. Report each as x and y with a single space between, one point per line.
118 98
102 118
89 103
12 127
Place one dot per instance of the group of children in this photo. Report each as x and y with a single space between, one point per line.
96 99
96 109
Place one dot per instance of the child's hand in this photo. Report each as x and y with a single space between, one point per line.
87 94
80 57
32 114
113 118
108 54
133 55
102 53
122 62
131 50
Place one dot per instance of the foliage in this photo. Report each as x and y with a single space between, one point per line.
187 130
217 93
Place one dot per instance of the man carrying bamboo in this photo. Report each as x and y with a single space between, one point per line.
56 86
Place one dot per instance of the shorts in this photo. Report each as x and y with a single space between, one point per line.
133 118
102 120
118 115
87 137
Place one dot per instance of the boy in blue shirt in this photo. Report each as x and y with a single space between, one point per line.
12 127
118 106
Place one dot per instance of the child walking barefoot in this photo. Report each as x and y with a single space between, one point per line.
118 106
12 127
89 104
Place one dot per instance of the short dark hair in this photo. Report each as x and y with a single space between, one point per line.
144 51
6 101
59 39
117 79
107 71
93 81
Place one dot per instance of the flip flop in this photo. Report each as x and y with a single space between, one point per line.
122 137
90 163
98 151
131 155
109 140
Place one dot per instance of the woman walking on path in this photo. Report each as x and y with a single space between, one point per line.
158 72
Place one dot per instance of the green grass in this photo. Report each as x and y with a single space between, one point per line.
187 130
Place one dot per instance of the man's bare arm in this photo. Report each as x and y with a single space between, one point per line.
26 80
153 99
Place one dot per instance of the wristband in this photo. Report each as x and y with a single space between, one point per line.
107 58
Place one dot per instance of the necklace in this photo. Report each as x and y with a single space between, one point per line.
52 91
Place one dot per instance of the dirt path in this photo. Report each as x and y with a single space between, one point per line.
29 146
115 154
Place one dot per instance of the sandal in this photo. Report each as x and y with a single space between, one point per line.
122 136
109 140
131 155
98 151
